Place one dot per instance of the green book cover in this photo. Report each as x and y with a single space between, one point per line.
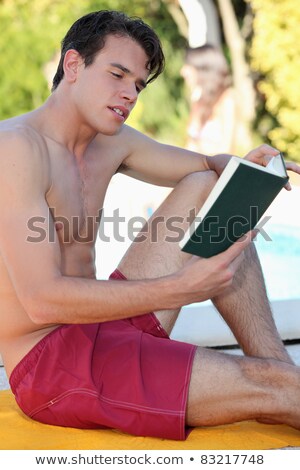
237 202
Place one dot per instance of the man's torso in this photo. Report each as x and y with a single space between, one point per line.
75 199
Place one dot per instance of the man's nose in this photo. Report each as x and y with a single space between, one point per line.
130 93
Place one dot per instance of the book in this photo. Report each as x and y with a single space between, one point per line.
235 205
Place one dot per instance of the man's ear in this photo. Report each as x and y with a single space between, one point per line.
72 62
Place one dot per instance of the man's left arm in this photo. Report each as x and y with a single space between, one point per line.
157 163
165 165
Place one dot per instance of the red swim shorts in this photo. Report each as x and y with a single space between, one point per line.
124 374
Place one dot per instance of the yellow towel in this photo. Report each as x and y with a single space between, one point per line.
19 432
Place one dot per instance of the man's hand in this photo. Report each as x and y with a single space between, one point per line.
260 155
264 153
201 279
218 162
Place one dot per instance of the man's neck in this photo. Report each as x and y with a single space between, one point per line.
59 122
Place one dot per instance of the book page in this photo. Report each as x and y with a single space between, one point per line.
275 165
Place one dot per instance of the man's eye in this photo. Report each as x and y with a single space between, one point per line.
116 75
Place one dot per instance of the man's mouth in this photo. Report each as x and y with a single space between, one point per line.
117 110
121 111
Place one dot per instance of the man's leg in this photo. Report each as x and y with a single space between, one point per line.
159 253
226 389
244 307
246 310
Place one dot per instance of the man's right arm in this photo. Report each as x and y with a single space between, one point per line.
34 267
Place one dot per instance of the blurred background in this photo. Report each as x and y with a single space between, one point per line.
231 82
260 40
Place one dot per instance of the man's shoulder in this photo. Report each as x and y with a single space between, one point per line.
131 135
22 148
127 136
18 133
122 144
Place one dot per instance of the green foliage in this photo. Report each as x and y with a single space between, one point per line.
31 31
29 38
276 56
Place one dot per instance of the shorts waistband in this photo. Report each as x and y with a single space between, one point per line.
25 365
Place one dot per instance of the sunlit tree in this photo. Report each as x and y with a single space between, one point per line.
276 56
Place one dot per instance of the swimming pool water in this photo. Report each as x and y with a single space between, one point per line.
280 260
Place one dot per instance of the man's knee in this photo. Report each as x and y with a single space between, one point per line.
202 181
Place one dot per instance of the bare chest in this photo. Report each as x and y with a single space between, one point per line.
76 200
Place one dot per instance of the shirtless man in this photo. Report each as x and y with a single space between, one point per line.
87 353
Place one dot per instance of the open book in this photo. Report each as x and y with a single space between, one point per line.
237 202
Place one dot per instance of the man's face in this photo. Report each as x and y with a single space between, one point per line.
106 91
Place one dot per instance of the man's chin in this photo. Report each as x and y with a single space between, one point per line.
112 132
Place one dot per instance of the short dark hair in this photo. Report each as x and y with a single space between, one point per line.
87 36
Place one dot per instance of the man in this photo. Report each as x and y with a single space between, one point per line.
87 353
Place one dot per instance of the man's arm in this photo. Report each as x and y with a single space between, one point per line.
165 165
35 267
157 163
